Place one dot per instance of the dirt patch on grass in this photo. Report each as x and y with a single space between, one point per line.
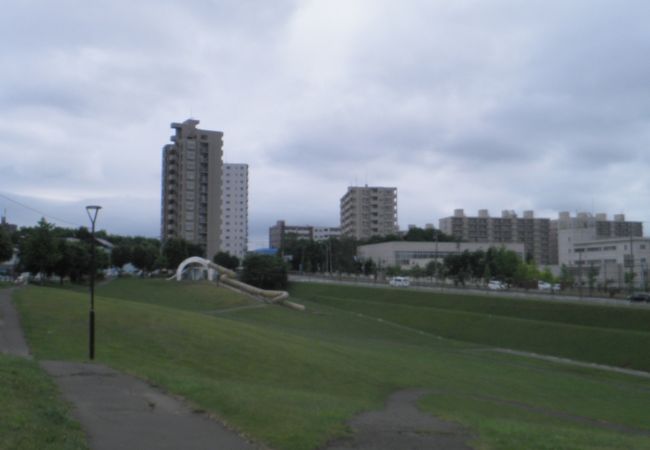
401 425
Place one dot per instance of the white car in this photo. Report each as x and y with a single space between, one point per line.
545 286
495 285
399 282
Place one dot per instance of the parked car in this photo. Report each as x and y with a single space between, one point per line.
496 285
639 297
545 286
400 281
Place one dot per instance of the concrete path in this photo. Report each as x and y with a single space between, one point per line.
119 411
12 340
401 425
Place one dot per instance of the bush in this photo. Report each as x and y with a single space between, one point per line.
265 271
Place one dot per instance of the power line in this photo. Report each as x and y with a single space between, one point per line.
41 213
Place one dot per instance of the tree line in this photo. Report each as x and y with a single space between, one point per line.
66 252
340 254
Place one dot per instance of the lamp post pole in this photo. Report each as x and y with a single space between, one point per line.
92 211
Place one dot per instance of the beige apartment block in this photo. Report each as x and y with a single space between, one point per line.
369 211
533 232
191 186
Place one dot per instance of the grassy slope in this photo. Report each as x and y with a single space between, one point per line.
32 416
186 295
606 335
291 379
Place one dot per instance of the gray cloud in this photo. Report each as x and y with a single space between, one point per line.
471 104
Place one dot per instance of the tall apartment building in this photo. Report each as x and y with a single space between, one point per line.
369 211
191 186
234 209
534 233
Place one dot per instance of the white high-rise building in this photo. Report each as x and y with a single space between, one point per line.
234 209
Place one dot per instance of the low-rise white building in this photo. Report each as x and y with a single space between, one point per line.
609 262
408 254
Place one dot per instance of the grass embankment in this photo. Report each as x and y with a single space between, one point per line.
592 333
32 416
291 379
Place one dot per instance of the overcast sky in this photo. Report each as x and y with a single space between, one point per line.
497 104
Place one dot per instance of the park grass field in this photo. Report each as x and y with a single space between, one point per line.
32 415
292 379
591 333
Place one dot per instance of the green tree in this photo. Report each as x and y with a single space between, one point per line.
39 252
426 235
80 259
121 254
566 277
547 275
63 263
265 271
226 260
6 246
144 256
176 250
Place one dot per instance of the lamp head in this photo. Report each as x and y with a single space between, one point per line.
92 211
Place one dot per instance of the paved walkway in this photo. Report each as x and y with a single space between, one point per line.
118 411
401 425
12 341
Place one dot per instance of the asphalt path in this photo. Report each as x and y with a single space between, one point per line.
119 411
12 341
401 425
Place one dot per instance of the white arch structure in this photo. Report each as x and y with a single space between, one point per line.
228 277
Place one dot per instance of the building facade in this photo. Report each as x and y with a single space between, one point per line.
191 186
234 209
603 251
324 233
585 227
534 233
279 232
407 254
610 262
369 211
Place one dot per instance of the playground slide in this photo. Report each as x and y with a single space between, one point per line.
228 277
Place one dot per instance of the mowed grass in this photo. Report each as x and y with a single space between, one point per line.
292 379
191 296
615 336
32 414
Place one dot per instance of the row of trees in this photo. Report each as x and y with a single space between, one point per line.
66 252
482 266
340 254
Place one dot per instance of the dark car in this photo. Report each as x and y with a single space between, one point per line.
639 297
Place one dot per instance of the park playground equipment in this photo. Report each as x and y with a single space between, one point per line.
227 277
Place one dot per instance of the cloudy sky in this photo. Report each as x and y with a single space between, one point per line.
497 104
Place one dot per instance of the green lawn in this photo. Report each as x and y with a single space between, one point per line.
32 415
601 334
291 379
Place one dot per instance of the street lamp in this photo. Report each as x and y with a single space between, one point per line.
92 211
